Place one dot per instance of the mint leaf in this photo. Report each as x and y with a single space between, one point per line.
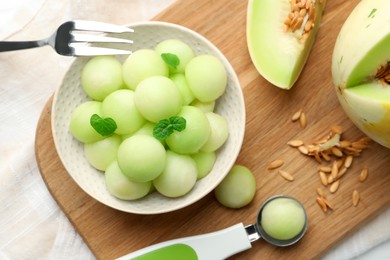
162 130
165 127
170 59
104 126
178 123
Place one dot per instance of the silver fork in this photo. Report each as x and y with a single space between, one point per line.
66 42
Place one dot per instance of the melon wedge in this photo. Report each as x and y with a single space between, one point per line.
279 51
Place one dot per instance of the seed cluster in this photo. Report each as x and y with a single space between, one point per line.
302 15
331 145
383 73
335 156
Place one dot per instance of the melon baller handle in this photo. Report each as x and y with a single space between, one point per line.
216 245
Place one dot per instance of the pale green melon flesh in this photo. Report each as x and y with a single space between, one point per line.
371 90
277 55
363 44
368 106
366 69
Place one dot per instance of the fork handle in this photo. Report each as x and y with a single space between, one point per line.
19 45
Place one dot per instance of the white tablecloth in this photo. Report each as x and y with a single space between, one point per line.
31 224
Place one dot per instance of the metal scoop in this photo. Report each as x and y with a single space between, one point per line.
217 245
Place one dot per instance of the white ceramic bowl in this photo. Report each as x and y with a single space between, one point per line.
70 94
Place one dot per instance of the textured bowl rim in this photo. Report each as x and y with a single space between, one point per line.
236 151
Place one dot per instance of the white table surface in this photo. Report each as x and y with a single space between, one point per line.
31 224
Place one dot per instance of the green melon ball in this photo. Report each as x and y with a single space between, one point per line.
204 162
101 76
122 187
283 218
178 48
142 64
181 83
237 189
206 77
204 106
219 132
194 136
80 126
141 158
102 153
147 129
157 98
179 176
120 106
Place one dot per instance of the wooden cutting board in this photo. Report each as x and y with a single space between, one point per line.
110 233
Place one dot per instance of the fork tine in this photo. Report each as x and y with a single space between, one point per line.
97 51
97 38
100 27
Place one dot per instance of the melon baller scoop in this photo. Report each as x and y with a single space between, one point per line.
216 245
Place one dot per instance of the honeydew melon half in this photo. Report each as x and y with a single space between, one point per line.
279 52
359 68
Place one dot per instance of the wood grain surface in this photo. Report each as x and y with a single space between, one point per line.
110 233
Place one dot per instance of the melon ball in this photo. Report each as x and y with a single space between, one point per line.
142 64
219 132
237 189
101 76
179 175
122 187
120 106
283 218
80 122
194 136
102 153
141 158
206 77
179 48
157 98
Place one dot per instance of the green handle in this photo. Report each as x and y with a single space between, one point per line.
172 252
